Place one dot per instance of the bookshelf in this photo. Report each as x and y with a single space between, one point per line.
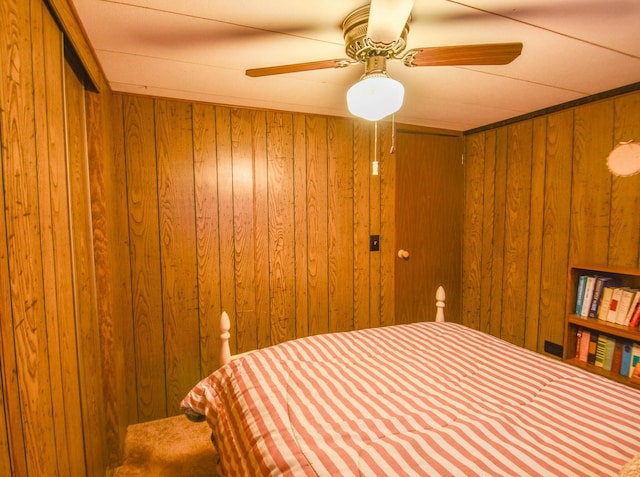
626 277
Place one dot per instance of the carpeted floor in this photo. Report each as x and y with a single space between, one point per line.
168 447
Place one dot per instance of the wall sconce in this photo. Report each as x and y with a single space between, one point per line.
624 160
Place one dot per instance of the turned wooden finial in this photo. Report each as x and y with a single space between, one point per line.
225 352
440 297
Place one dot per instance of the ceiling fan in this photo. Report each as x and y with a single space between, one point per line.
376 33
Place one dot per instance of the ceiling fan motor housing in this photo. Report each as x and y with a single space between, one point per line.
359 47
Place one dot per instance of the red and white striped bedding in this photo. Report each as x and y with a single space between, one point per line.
419 399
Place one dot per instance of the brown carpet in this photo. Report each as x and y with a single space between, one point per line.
168 447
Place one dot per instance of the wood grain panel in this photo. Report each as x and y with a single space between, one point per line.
535 233
472 236
340 226
625 201
84 280
174 150
375 228
557 225
261 229
107 175
5 457
300 224
516 234
28 325
499 229
281 213
97 221
591 184
7 364
387 207
317 217
120 268
243 228
142 193
362 205
12 455
225 220
207 234
488 233
5 313
48 57
446 260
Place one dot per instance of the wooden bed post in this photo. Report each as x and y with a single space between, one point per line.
225 352
440 297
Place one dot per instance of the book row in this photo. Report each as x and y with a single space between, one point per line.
609 353
603 298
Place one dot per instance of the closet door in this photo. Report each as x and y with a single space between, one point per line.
429 201
83 277
31 96
51 400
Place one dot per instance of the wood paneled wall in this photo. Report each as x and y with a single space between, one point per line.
266 215
539 196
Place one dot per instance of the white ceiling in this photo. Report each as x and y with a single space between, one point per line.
199 50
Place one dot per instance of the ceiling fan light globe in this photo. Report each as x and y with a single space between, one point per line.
375 97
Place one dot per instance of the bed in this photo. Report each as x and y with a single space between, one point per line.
428 398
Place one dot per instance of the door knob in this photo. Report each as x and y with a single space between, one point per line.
403 254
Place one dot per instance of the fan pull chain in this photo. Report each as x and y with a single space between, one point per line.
393 134
374 165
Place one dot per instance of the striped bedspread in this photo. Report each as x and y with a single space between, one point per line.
420 399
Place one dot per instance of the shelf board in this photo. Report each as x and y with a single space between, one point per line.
633 272
602 372
627 332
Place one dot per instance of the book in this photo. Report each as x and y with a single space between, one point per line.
601 346
598 290
584 345
634 376
635 305
588 296
578 339
635 319
613 305
626 298
604 303
582 283
625 363
635 357
593 345
608 353
617 357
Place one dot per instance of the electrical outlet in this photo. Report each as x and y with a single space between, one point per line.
553 348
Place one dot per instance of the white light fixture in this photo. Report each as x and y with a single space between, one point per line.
376 95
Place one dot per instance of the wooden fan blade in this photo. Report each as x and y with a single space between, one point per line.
296 67
387 19
485 54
